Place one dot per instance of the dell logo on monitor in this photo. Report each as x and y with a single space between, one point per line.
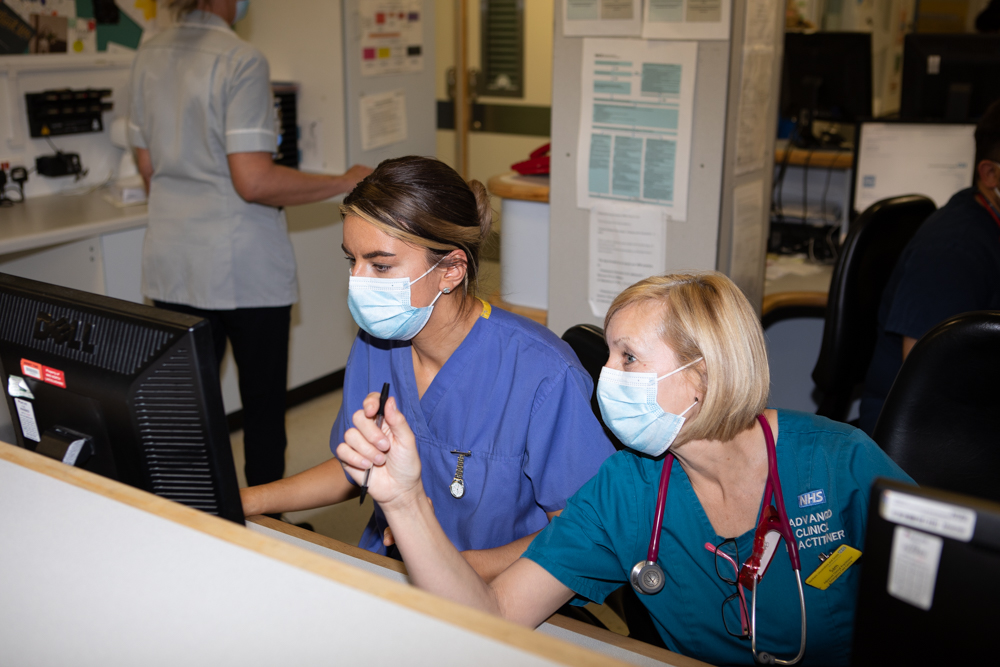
75 335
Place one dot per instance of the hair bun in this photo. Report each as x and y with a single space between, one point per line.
484 207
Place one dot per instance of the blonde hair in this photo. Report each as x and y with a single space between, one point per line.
705 315
425 203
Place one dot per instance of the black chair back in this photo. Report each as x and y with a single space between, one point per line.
869 253
587 340
941 419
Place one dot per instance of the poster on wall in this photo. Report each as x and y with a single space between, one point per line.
392 37
627 243
383 119
686 19
607 18
636 108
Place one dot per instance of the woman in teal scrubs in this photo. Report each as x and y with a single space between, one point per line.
687 371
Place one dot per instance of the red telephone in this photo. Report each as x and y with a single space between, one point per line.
537 163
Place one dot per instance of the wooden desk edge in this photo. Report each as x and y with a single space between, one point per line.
792 300
520 191
816 158
534 314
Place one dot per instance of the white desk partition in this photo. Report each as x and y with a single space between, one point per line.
93 572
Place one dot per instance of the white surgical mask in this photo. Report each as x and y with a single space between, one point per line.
381 306
629 408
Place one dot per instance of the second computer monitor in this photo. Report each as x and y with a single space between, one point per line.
826 76
949 77
931 159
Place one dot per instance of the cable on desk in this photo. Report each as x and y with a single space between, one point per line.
778 208
805 187
826 189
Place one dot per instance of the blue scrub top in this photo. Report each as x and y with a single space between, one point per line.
826 471
514 395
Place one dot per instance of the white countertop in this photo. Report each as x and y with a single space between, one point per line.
54 219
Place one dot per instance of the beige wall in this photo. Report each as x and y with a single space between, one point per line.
491 154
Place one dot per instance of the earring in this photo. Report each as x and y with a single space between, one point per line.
447 290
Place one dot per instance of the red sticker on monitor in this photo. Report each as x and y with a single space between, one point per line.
31 369
43 373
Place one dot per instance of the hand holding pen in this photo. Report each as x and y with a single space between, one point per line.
379 417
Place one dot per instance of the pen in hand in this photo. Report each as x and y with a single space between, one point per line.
379 416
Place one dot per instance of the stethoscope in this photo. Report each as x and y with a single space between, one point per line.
647 576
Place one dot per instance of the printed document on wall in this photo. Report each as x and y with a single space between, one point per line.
383 119
610 18
627 243
635 123
392 36
686 19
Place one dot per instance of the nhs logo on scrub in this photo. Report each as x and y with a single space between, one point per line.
810 498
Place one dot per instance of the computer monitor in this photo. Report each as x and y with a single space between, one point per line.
121 389
931 159
929 588
949 77
826 76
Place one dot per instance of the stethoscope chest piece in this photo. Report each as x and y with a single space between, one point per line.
647 577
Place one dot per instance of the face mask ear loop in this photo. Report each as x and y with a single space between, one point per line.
689 407
678 370
413 282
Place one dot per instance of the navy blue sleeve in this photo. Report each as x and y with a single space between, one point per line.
566 444
938 282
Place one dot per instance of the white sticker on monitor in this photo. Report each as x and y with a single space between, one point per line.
18 387
932 516
913 566
26 415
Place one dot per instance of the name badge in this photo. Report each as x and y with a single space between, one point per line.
834 566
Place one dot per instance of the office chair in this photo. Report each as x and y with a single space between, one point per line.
587 341
941 418
874 243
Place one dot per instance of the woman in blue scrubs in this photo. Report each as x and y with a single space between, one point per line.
687 374
500 407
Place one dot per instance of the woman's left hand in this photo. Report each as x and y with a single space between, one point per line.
392 449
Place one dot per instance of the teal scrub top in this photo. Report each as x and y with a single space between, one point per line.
826 471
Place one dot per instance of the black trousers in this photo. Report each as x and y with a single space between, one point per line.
259 337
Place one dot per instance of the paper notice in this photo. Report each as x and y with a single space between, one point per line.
932 516
26 415
609 18
392 36
635 123
383 119
686 19
627 243
913 566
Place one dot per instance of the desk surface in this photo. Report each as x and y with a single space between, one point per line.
515 186
794 282
46 221
819 157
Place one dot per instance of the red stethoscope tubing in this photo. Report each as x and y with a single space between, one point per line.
772 491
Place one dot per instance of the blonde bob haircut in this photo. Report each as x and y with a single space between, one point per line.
703 314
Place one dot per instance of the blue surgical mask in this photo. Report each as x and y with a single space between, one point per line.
381 306
629 408
241 10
